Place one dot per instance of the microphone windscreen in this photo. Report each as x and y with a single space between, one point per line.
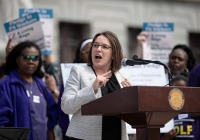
123 62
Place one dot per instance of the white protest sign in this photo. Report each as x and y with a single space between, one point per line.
146 75
27 28
46 18
159 41
65 70
149 75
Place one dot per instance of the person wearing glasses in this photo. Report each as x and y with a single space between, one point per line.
101 76
25 100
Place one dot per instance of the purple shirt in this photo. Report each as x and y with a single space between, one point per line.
187 127
15 105
38 107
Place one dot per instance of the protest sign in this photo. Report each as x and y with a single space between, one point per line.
27 28
159 41
46 18
65 70
148 75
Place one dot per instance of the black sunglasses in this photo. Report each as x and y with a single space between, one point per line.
31 57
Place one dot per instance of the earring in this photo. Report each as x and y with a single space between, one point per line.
186 70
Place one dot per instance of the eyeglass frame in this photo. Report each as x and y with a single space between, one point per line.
104 48
28 59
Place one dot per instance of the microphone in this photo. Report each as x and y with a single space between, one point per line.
132 62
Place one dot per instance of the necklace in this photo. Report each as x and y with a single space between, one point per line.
31 88
28 86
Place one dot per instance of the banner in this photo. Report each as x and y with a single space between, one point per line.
27 28
146 75
159 41
46 18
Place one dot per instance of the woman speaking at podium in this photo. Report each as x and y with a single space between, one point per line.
101 76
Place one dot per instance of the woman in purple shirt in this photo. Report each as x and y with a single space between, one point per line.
24 98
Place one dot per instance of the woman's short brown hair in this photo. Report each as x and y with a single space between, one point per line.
116 50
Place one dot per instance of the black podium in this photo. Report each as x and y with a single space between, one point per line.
14 133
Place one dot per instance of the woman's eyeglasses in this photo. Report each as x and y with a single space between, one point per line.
30 57
105 47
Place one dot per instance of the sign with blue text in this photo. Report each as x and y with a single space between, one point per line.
159 41
46 18
27 28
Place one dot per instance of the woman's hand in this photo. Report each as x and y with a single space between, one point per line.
50 82
51 85
141 38
126 83
9 48
101 80
170 135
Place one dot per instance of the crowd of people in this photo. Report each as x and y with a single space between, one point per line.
38 100
182 67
